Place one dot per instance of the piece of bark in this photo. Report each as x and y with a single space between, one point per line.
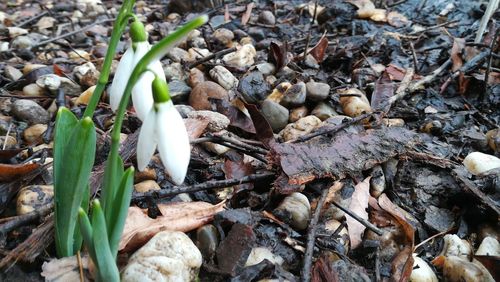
346 154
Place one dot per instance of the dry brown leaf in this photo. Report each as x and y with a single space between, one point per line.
359 203
195 127
319 50
139 227
402 264
456 53
9 172
65 269
246 16
332 191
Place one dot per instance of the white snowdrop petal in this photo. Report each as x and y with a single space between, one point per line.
142 95
173 142
146 145
141 48
156 67
122 75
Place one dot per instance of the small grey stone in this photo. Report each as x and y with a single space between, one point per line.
295 95
275 114
223 36
257 33
70 88
179 90
253 87
223 77
51 82
323 111
266 68
286 73
311 62
439 219
267 17
22 42
177 54
217 21
12 73
29 111
174 71
184 110
4 126
216 121
317 91
198 42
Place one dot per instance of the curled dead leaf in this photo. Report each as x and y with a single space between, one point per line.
359 204
139 227
9 172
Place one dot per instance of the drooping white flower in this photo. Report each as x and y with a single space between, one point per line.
164 128
141 92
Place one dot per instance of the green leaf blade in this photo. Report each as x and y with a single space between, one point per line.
108 271
119 211
76 165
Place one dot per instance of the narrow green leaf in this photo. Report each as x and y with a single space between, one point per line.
86 230
119 210
65 124
70 187
113 174
108 271
77 237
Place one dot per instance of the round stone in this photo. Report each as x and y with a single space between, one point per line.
295 95
323 111
253 87
30 112
275 114
317 91
267 17
199 98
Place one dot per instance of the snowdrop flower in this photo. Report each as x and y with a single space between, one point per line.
142 97
164 128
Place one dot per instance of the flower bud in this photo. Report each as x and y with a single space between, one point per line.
137 32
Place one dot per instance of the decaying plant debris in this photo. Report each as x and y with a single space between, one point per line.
360 181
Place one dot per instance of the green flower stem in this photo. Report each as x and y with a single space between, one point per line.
118 28
157 51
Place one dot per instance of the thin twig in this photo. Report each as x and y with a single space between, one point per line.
308 40
490 9
432 237
433 27
402 90
331 130
9 224
363 221
241 144
80 266
490 59
6 136
217 140
137 197
32 18
31 248
85 28
414 56
210 57
311 238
